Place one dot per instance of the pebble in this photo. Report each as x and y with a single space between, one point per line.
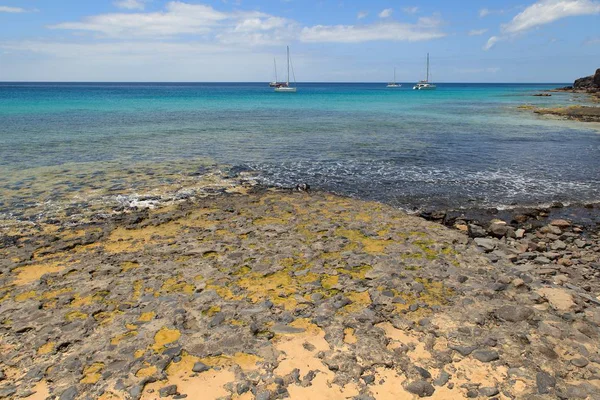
168 391
580 362
442 379
488 391
421 388
485 355
200 367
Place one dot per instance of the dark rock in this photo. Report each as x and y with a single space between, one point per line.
485 355
545 382
200 367
423 372
368 379
476 231
442 379
167 391
263 395
513 313
421 388
472 394
217 320
580 362
487 244
463 350
242 387
8 391
488 391
498 229
69 394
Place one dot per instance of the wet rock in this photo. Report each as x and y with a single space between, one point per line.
485 355
421 388
545 382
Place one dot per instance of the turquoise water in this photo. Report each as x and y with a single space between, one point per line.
462 145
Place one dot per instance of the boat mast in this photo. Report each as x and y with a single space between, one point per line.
275 66
427 80
394 74
288 65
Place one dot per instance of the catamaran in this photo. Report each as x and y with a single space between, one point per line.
425 85
285 87
393 84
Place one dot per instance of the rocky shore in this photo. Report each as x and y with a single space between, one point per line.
276 294
589 85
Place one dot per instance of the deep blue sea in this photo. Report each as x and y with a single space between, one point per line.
462 145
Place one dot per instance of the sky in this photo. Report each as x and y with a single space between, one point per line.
330 40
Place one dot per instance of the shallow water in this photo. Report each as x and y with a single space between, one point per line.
71 145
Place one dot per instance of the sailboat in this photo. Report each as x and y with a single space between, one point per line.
275 82
425 85
393 84
285 87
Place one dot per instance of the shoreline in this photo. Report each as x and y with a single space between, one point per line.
277 293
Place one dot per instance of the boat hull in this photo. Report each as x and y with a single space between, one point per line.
428 87
285 90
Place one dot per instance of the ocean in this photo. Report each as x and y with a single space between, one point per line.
66 147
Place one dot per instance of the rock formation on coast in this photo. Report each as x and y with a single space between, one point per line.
276 295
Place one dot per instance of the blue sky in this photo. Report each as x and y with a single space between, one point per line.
331 40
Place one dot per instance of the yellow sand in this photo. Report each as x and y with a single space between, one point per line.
32 273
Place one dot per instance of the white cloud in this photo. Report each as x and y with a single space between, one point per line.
130 4
362 14
491 42
179 18
386 13
425 29
477 32
484 12
411 10
547 11
541 13
243 27
13 10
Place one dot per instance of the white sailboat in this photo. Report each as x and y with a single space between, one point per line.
274 83
285 87
393 84
425 85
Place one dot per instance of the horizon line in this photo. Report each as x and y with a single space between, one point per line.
305 82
